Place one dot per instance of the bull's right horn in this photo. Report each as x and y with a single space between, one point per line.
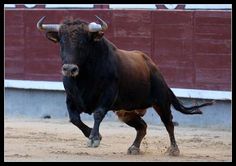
47 27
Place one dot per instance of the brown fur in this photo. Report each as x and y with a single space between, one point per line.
125 116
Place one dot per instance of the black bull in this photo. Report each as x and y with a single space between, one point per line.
99 77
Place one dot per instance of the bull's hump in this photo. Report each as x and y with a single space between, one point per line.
133 74
133 65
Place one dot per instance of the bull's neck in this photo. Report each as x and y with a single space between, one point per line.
99 54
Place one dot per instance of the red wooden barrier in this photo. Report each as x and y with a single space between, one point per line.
192 48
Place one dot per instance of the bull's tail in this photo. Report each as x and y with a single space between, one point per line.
187 110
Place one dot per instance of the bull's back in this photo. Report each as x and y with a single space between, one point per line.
134 80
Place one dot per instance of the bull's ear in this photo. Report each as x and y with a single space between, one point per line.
97 36
53 36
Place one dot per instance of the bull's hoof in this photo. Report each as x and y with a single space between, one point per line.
133 150
89 143
93 143
173 151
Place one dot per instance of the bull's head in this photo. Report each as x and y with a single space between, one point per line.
76 39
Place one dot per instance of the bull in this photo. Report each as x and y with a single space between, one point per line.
99 77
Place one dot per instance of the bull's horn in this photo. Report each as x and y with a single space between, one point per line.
47 27
94 27
103 23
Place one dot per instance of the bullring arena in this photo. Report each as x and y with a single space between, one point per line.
58 140
194 57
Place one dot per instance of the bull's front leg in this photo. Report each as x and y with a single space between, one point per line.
94 138
105 102
74 115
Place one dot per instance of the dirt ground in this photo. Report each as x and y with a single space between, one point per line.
59 140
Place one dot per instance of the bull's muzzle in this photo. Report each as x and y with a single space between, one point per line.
70 70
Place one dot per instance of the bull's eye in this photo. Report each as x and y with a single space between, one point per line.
62 40
81 42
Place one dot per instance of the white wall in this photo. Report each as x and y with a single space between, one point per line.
132 6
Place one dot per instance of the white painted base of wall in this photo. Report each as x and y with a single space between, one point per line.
31 103
183 93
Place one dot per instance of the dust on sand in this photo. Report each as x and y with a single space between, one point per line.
59 140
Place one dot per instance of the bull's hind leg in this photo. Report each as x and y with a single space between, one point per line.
133 119
166 117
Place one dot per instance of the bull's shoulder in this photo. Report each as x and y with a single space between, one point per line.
133 53
129 51
149 62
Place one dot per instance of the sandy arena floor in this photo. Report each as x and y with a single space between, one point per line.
59 140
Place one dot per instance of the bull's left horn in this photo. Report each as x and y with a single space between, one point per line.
93 27
103 23
47 27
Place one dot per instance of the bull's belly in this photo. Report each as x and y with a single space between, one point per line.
130 106
132 101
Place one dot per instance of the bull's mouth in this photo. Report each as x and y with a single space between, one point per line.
70 70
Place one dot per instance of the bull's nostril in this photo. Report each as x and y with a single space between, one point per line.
74 69
70 70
